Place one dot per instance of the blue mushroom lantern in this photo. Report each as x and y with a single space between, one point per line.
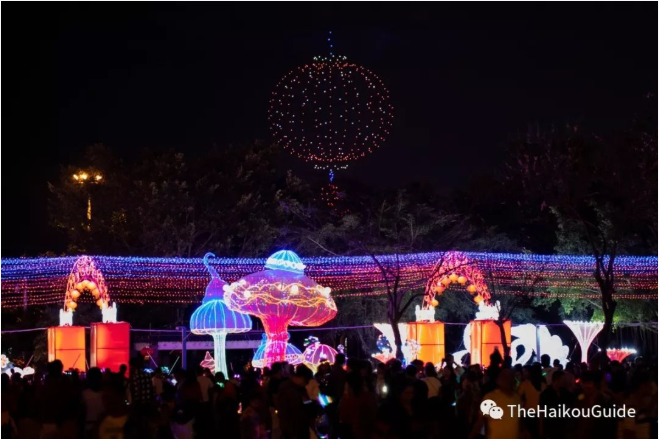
214 318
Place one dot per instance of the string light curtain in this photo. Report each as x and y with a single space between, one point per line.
141 280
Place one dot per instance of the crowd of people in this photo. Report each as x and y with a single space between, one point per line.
347 399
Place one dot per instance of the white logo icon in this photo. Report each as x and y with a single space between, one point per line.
486 405
496 413
490 408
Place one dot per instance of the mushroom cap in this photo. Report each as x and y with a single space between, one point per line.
285 260
286 295
214 316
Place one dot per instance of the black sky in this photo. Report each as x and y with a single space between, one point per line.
464 78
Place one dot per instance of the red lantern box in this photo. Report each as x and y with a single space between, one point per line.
485 337
430 336
110 345
67 344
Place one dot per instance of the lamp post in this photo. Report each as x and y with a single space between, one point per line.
84 178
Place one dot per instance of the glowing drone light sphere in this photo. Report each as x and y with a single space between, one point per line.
214 318
281 296
330 112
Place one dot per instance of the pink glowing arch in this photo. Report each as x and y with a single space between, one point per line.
455 267
85 276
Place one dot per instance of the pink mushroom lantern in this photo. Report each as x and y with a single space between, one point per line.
280 296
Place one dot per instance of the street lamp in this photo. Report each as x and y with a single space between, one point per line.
83 178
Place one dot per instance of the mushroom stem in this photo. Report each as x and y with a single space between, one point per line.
275 345
219 348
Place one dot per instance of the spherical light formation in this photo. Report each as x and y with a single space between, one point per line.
292 356
281 297
330 112
214 318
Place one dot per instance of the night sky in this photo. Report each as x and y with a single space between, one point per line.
464 79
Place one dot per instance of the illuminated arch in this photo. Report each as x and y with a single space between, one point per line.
455 267
86 277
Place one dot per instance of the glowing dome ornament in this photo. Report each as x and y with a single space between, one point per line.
214 318
317 353
330 112
281 296
585 333
285 260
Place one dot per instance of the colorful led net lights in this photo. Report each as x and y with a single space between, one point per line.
140 280
280 296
